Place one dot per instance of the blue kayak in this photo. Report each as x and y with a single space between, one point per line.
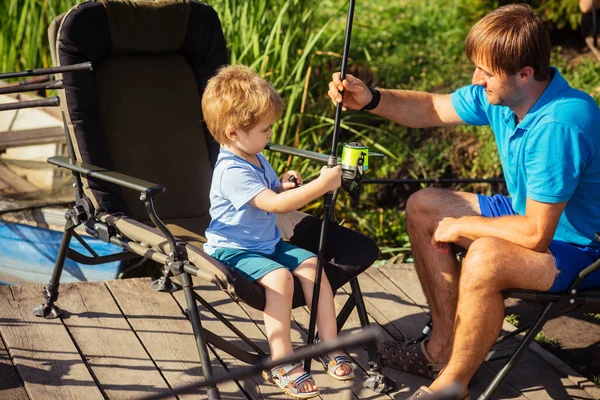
27 256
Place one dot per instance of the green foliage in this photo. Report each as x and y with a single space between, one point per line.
541 338
23 32
559 14
297 45
512 319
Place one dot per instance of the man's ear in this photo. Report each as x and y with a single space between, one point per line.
526 74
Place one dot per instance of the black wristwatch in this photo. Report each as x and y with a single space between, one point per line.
374 100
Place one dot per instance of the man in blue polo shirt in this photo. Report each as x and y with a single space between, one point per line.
548 137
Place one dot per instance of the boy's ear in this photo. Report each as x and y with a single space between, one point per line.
231 133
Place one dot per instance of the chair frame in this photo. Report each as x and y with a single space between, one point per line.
564 302
571 300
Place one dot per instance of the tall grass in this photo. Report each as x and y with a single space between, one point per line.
23 32
279 39
296 45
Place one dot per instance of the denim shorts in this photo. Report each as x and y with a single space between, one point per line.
254 265
570 259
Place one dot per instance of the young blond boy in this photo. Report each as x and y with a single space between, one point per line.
240 108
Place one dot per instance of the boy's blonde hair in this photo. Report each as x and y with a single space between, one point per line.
236 97
510 38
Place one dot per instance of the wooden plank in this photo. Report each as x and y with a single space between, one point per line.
30 137
298 339
42 350
330 388
380 309
11 386
524 379
360 357
115 355
166 335
538 381
15 181
381 295
256 387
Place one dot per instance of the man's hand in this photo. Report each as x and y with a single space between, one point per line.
285 180
447 232
356 93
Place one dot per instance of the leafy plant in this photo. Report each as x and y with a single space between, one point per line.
23 32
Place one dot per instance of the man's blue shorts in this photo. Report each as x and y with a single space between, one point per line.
570 259
254 265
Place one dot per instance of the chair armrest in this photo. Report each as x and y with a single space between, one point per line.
92 171
293 151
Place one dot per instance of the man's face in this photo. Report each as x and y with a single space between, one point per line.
503 90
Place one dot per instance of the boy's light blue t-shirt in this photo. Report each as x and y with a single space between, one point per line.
235 223
551 156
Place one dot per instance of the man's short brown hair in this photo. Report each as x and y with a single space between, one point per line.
510 38
236 97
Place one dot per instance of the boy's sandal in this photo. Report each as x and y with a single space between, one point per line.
332 363
425 393
409 357
291 386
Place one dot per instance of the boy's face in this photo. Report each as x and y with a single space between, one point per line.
253 140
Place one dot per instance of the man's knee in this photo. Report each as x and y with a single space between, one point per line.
481 267
423 204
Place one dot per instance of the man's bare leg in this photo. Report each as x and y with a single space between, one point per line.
438 272
490 266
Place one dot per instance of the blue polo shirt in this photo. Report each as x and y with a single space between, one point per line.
235 224
551 156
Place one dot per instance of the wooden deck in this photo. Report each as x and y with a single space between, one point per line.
119 339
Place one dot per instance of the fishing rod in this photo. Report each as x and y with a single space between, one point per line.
28 87
365 336
320 157
85 66
328 199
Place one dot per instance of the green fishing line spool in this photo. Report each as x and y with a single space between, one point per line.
355 159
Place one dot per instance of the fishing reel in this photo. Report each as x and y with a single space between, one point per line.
354 162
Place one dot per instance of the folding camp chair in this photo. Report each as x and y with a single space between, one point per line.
139 114
574 299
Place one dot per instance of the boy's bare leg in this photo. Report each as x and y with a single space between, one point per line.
326 318
279 290
438 272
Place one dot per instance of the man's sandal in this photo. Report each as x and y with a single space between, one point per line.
332 363
291 386
411 357
425 393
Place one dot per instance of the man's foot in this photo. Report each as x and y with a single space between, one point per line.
450 392
411 357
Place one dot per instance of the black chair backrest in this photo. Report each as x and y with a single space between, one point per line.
139 112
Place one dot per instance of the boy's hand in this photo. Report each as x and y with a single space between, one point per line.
287 184
331 177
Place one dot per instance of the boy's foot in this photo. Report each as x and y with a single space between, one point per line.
293 380
338 365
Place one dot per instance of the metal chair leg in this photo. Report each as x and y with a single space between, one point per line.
501 375
194 314
48 309
376 381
